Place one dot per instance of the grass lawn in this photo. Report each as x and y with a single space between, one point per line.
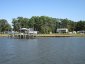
3 35
61 35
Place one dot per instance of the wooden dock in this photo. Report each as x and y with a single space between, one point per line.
22 36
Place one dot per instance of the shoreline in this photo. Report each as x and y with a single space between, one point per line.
61 35
4 35
51 35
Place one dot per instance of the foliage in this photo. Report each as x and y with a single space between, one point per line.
80 26
4 25
20 22
42 24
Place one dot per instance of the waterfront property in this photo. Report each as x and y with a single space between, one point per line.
24 33
27 31
62 30
81 32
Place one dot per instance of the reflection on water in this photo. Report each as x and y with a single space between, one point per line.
42 51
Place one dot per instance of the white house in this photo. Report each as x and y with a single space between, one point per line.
81 32
29 31
62 30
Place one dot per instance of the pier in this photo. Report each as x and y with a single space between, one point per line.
22 36
24 33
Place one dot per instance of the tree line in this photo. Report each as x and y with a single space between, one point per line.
43 24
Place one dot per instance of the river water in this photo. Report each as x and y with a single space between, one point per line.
60 50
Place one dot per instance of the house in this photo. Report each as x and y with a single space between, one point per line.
27 31
62 30
81 32
23 30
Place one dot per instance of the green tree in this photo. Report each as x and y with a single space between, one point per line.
80 26
4 25
20 22
45 24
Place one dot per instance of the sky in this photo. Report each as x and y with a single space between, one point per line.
71 9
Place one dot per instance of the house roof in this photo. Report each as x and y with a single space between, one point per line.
62 29
23 29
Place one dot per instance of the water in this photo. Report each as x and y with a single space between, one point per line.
42 51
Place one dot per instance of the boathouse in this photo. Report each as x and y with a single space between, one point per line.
25 33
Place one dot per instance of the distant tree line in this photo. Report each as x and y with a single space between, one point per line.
43 24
